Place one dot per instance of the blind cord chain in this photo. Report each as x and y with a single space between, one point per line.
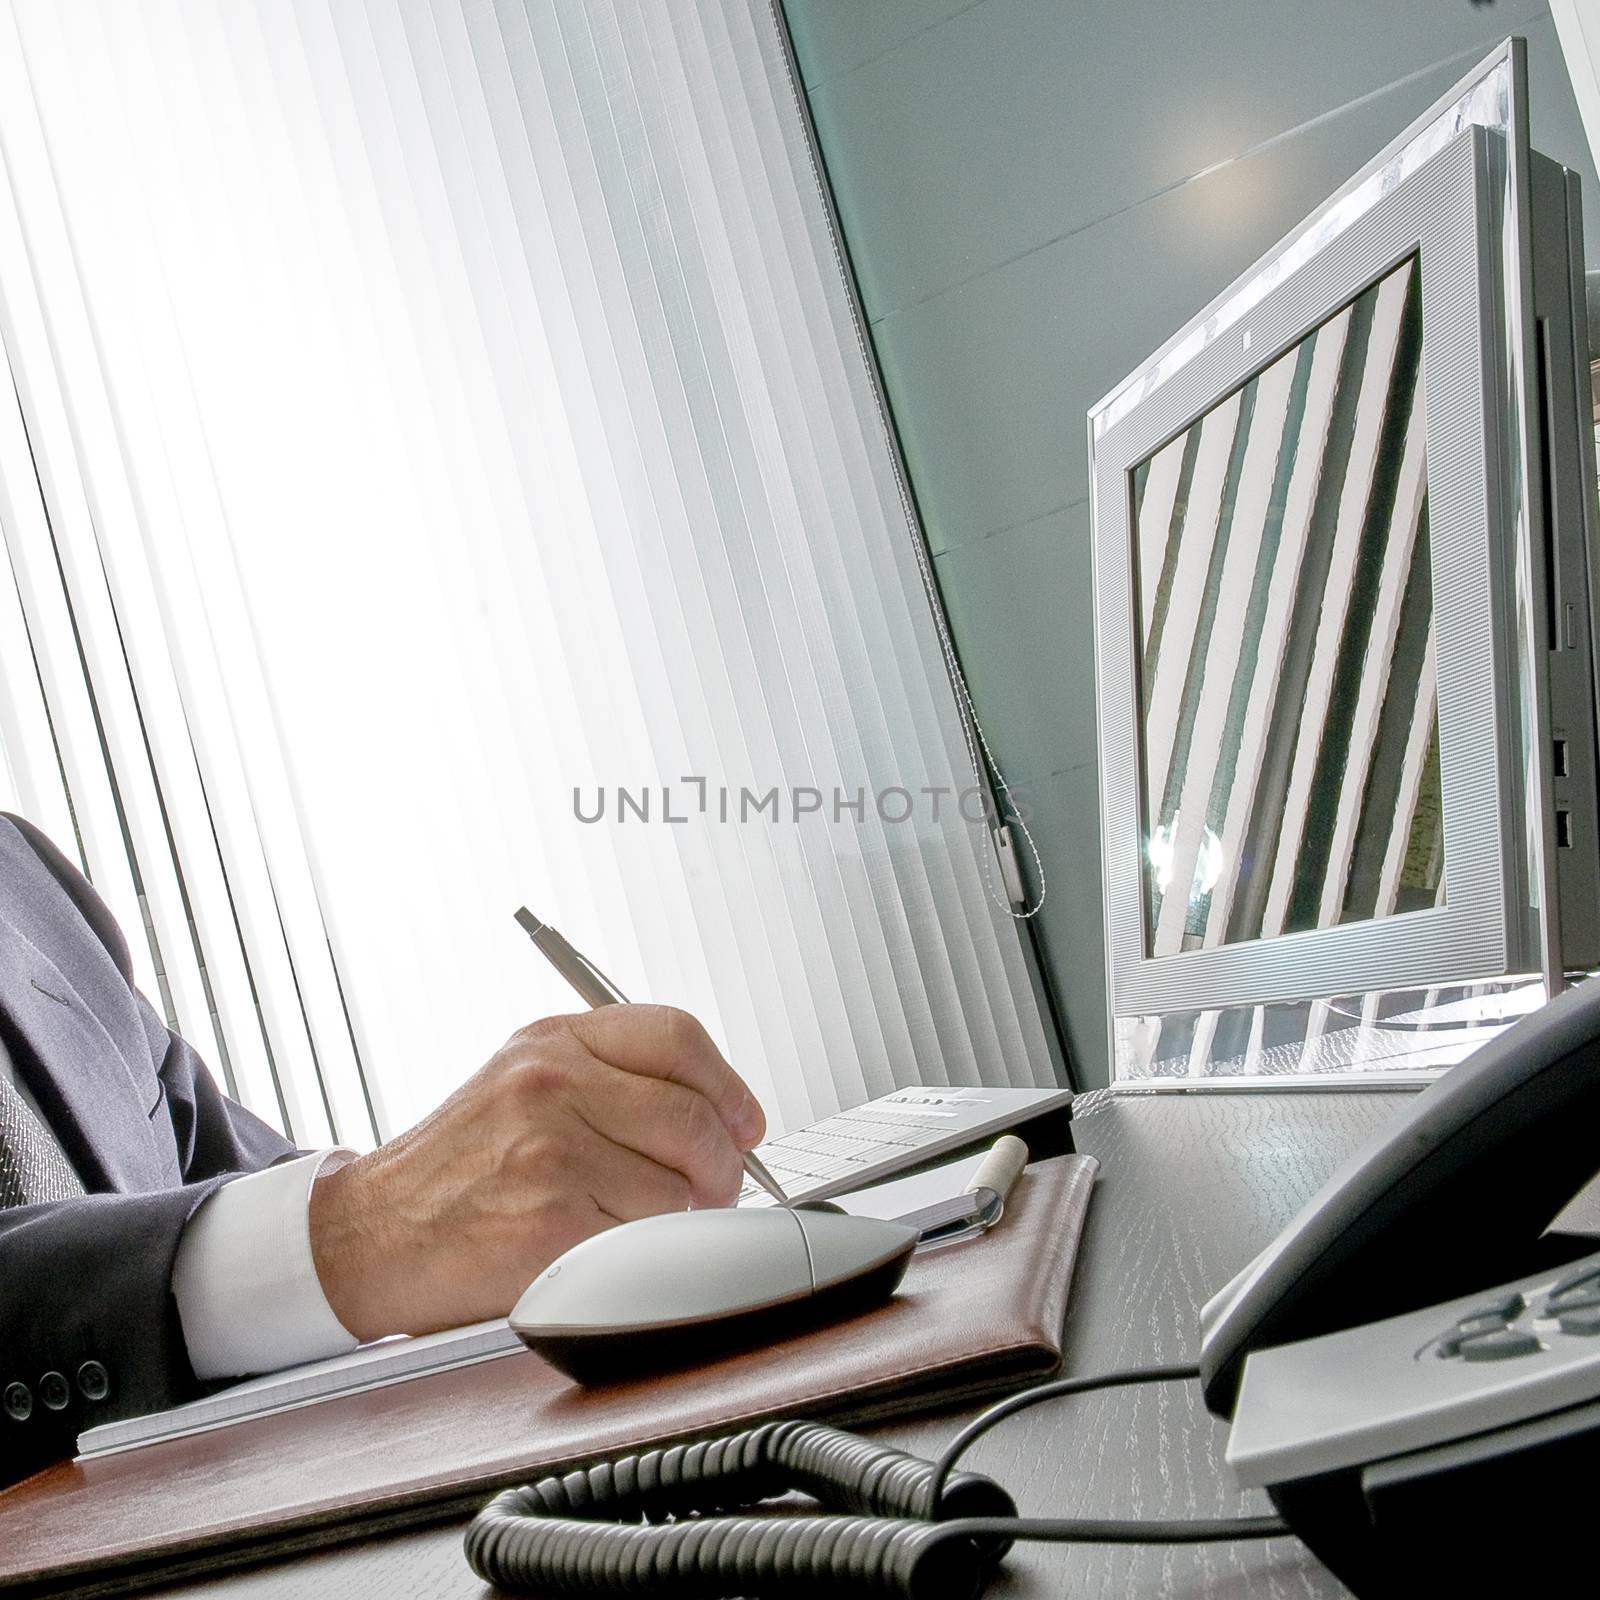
1007 814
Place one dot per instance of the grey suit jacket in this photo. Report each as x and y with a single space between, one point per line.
85 1284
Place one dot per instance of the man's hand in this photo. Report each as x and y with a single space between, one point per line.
577 1123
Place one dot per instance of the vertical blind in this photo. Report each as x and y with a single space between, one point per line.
439 422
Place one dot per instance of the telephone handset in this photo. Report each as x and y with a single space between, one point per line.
1452 1199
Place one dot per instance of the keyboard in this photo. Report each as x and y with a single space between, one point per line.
891 1135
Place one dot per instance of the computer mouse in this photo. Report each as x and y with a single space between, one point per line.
669 1290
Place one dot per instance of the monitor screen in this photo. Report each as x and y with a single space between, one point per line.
1287 685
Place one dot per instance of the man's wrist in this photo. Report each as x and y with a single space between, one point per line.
353 1262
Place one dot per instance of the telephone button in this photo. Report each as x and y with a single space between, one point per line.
1585 1277
1578 1298
1584 1321
1501 1345
1505 1307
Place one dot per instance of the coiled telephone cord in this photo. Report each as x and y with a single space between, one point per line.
909 1530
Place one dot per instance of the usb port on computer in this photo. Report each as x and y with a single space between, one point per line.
1564 829
1560 758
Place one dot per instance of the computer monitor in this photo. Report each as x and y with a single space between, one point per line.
1344 566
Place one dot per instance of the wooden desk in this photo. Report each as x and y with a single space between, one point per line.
1191 1187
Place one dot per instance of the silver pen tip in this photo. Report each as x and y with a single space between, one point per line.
753 1165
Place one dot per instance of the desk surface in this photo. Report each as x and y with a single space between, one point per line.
1191 1187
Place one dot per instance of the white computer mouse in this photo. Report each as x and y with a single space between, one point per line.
669 1290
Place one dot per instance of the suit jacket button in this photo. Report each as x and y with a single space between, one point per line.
55 1391
94 1383
18 1401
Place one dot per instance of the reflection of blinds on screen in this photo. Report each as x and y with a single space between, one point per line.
1287 668
469 412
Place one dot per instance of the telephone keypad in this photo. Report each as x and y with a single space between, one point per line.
1488 1333
1529 1349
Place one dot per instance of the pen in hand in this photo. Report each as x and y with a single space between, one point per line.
596 989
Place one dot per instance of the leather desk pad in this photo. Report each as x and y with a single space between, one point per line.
974 1317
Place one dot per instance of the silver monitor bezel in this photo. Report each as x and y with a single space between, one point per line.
1445 210
1493 95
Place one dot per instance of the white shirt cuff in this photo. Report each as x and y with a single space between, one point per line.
245 1280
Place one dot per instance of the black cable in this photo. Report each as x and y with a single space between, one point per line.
1095 1530
1009 1407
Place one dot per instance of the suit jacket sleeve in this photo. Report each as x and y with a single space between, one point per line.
87 1281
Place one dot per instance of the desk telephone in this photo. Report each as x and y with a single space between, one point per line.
1411 1371
1423 1400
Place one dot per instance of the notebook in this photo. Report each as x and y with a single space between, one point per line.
897 1131
372 1366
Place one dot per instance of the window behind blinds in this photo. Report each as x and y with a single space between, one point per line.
452 424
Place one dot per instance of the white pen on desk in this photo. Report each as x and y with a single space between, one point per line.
980 1205
593 986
